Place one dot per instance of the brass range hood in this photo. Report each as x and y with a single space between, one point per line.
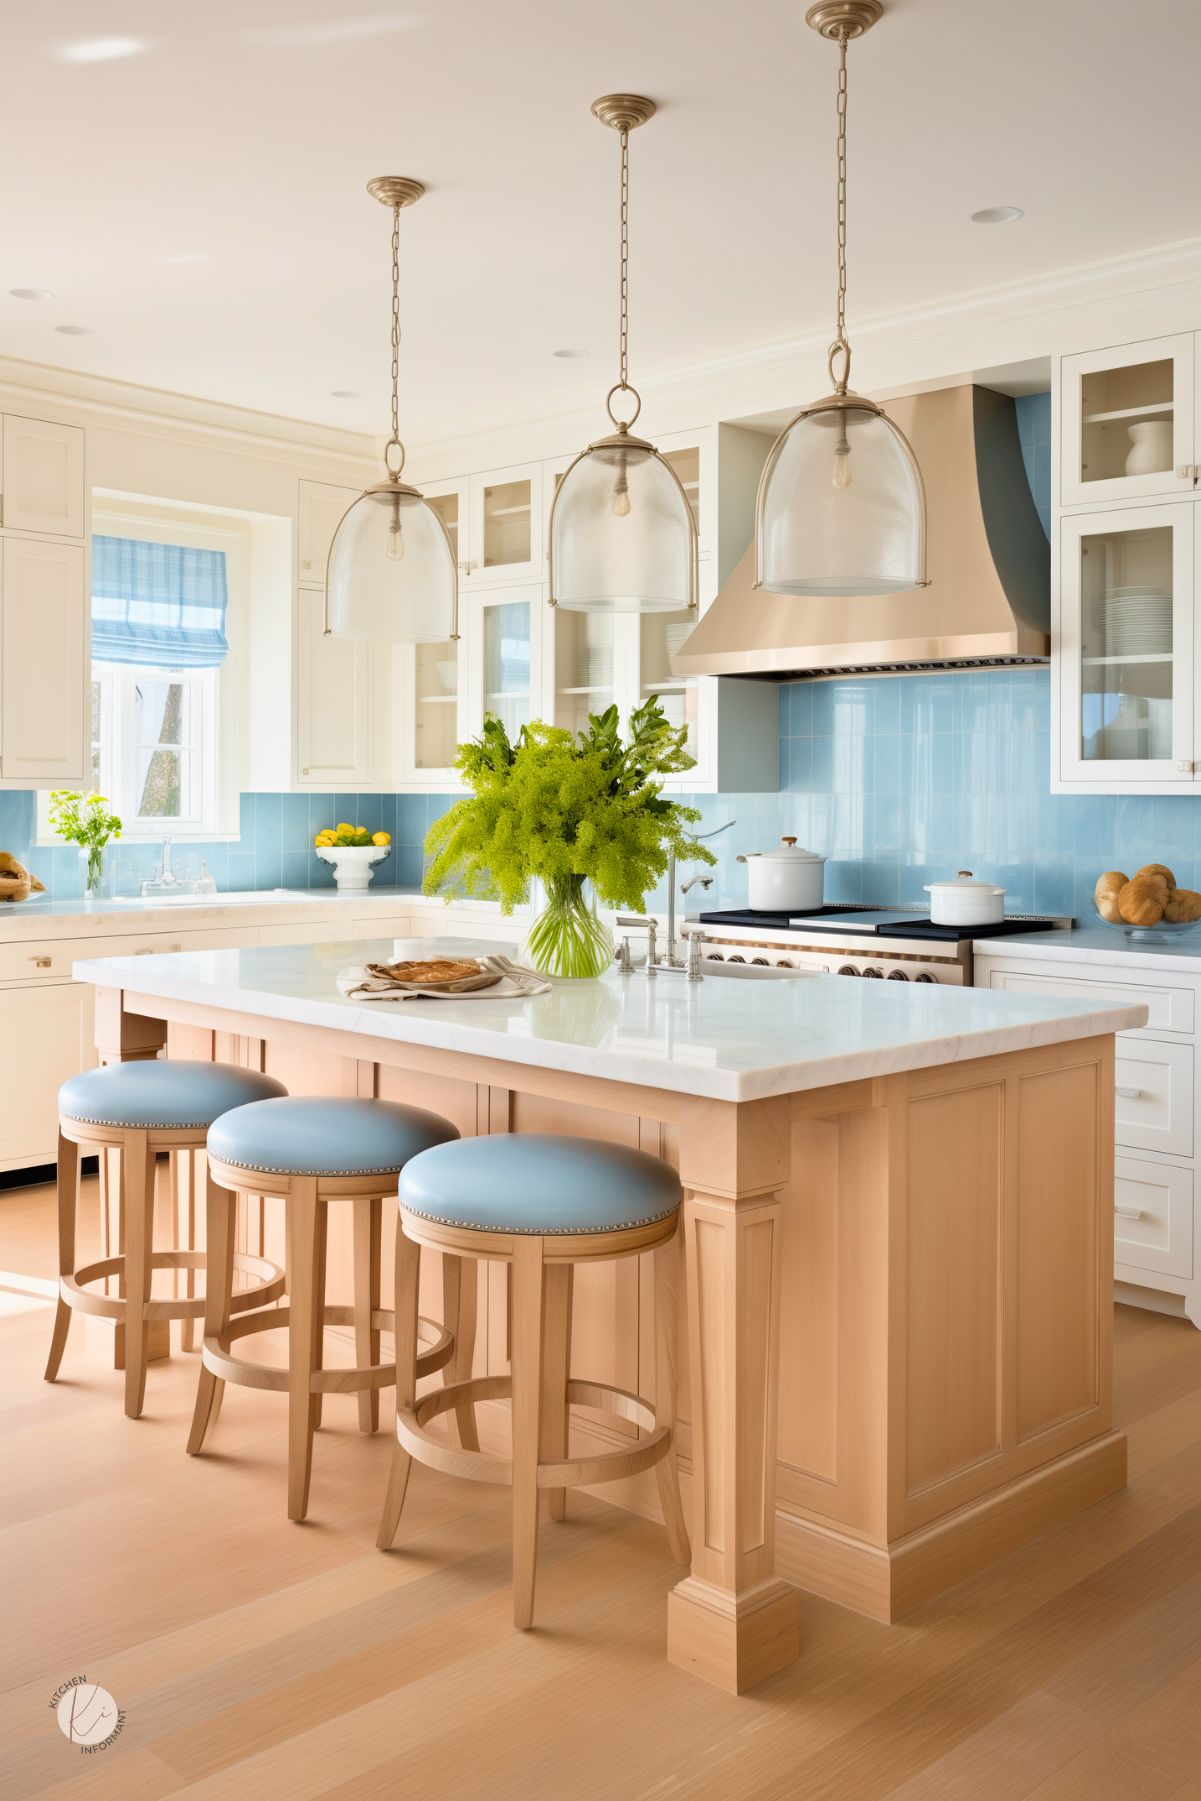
989 598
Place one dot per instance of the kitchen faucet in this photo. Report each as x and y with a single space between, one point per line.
671 959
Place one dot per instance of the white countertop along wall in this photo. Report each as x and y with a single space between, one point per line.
1096 944
724 1039
71 916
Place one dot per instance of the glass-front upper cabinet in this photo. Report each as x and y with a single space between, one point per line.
500 652
1126 647
1127 422
661 635
494 522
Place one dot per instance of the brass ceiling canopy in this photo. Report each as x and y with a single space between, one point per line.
624 112
843 18
395 190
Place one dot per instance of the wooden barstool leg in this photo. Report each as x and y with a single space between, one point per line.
304 1327
667 1375
220 1214
68 1200
526 1340
137 1183
368 1228
408 1282
556 1360
317 1404
459 1307
185 1168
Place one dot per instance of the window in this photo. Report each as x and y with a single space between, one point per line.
154 745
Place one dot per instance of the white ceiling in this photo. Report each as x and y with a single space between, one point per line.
201 206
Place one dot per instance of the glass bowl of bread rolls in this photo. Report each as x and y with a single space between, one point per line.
1147 904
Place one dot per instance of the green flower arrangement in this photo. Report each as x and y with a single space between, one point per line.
85 820
569 809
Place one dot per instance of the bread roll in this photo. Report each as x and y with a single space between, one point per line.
1112 882
1107 906
1156 869
1143 900
1184 905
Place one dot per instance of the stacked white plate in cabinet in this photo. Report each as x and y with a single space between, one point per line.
1138 622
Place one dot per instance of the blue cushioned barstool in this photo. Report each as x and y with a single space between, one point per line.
543 1204
311 1151
140 1109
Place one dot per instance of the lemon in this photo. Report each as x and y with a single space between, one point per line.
381 838
324 836
343 827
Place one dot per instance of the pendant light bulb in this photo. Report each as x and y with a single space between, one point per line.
622 531
827 523
391 576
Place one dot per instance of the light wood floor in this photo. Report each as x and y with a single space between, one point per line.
254 1658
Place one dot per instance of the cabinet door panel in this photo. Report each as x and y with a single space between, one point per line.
320 510
333 701
46 1033
1153 1217
43 640
43 477
507 540
1127 428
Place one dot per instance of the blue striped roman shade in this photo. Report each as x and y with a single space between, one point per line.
158 604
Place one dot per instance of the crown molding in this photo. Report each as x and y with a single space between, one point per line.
1146 294
97 399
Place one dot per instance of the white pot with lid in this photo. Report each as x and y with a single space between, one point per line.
966 901
786 880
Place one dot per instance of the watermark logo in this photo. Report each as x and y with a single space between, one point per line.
87 1715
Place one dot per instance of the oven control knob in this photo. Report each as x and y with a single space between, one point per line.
736 959
783 963
847 969
872 971
897 975
760 962
925 977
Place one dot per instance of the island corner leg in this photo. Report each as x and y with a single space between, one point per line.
733 1621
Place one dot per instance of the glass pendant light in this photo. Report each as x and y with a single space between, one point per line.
622 534
391 575
841 507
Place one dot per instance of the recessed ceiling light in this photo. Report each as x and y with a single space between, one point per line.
32 293
100 50
570 355
74 331
344 393
997 215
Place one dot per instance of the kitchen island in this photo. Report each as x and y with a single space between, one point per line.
898 1242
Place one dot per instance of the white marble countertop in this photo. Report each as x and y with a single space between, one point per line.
70 912
1097 944
721 1038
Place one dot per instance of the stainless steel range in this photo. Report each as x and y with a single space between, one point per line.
894 944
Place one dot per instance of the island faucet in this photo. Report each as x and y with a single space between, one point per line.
671 957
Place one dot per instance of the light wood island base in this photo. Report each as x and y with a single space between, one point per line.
899 1305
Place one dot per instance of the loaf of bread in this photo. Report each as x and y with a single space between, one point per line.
1156 869
1143 901
1184 906
1105 894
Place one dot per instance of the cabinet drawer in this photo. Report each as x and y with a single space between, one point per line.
1169 1009
1153 1217
1153 1104
51 959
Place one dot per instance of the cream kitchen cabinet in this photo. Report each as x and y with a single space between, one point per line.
41 477
319 511
44 633
495 523
334 702
1157 1092
1127 422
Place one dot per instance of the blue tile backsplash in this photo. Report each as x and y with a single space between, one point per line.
895 779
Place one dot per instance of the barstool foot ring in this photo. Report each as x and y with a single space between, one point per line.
571 1472
217 1359
75 1292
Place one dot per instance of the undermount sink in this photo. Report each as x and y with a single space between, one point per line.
752 972
228 897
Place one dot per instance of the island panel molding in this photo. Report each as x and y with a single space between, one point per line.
823 1440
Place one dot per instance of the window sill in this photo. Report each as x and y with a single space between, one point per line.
146 839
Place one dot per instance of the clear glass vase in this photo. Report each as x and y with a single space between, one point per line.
97 871
567 938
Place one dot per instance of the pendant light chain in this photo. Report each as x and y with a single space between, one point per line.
394 443
840 347
622 384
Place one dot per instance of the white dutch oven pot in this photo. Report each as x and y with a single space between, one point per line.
966 902
786 880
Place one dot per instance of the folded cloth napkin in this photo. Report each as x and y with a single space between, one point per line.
513 982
